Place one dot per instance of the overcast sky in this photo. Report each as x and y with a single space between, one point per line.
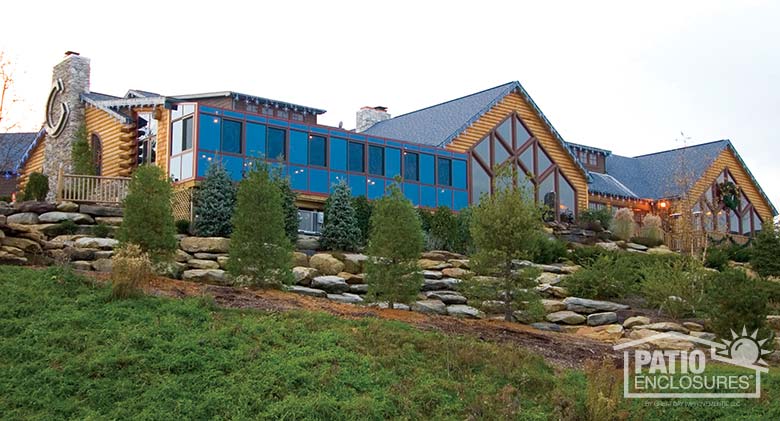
614 75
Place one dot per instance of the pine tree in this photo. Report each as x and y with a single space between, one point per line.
291 218
215 201
81 154
395 244
260 252
148 219
505 226
444 227
766 248
340 231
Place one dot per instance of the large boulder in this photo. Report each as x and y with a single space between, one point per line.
303 275
102 265
97 243
29 246
307 242
331 284
211 276
577 304
300 259
552 290
24 218
326 264
551 306
81 265
358 289
56 217
440 284
456 272
598 319
33 206
429 307
668 343
205 244
172 270
567 317
78 253
353 278
181 256
354 262
460 310
97 210
460 263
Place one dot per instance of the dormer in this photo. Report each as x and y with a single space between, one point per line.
593 159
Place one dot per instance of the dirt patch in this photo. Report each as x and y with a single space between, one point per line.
559 349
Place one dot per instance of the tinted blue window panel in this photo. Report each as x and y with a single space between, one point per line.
459 174
444 197
204 160
234 166
335 178
376 188
318 181
299 146
426 169
255 140
412 192
392 162
357 183
338 154
428 196
208 132
460 200
299 178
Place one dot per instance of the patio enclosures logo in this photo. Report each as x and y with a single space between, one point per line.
683 372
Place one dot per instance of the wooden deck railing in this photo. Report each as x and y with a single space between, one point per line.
91 188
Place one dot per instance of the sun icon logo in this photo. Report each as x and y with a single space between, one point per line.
745 349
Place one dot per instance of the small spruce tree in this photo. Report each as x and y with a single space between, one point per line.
444 228
81 154
37 187
766 248
215 201
363 209
148 219
395 244
260 252
291 217
340 230
505 227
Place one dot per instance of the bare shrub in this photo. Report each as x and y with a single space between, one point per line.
130 268
652 228
623 225
604 391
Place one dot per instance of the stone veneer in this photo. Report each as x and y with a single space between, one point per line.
74 71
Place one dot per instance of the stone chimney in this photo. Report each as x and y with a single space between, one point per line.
368 116
64 114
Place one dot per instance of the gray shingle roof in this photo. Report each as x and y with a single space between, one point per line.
606 184
438 124
13 148
653 176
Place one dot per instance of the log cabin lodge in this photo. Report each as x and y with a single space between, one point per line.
445 154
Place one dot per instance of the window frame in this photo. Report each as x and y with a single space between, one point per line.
324 150
268 143
406 155
362 154
381 150
440 159
240 136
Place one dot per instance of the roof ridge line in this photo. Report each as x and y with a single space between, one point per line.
728 142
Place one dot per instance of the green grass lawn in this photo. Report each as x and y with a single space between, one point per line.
67 351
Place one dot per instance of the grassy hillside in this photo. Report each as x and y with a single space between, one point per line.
66 351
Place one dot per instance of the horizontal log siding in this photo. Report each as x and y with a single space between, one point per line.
116 140
516 103
33 164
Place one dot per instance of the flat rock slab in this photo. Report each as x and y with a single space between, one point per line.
606 318
346 298
552 327
96 210
429 307
440 284
428 264
593 304
635 246
551 306
607 333
432 274
448 299
33 206
113 221
665 327
331 284
308 291
29 246
56 217
24 218
567 317
202 264
460 310
385 305
96 243
102 265
358 289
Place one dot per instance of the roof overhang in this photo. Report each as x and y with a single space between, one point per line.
249 99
